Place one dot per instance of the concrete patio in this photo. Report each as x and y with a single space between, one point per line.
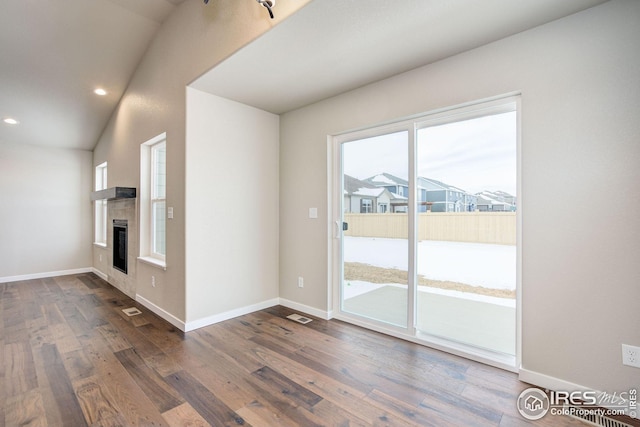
481 321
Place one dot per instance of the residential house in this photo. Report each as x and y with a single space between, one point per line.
362 197
398 187
436 196
495 201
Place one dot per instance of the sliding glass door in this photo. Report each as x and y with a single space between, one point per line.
426 232
466 246
374 216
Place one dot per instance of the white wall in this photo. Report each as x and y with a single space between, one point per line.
580 182
231 206
192 40
45 210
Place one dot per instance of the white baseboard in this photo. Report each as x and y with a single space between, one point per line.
100 274
162 313
210 320
548 382
8 279
305 309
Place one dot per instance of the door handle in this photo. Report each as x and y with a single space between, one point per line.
344 227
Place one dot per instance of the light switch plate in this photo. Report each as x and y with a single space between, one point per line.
313 213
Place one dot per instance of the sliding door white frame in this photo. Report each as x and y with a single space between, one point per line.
497 105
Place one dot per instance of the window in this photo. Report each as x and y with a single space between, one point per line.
153 184
100 235
365 206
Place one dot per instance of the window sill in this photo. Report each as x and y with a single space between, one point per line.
153 262
100 245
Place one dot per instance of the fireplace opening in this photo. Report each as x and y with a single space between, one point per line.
120 245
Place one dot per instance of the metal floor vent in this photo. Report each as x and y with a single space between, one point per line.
595 419
299 319
131 311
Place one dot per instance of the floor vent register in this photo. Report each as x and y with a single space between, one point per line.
299 319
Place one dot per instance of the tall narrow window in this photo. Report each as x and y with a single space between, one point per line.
158 196
100 235
153 184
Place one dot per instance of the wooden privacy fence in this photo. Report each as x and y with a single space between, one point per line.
473 227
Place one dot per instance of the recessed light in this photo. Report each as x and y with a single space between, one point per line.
100 92
10 121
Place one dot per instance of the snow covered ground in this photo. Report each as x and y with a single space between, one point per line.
477 264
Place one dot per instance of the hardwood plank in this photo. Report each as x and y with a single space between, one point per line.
19 369
333 415
294 391
53 415
160 393
135 406
144 347
39 333
61 386
184 416
113 337
162 363
285 407
203 401
165 336
86 306
25 410
64 337
95 402
77 365
88 281
457 410
400 412
222 377
237 351
258 414
342 398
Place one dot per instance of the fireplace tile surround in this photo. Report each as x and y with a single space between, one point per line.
123 209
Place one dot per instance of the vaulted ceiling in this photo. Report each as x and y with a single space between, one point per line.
53 54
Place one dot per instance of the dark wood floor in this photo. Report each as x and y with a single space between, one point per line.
71 357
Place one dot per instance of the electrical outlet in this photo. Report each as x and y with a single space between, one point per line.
300 282
631 355
100 256
153 281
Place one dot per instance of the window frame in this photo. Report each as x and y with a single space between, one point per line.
149 199
100 207
412 124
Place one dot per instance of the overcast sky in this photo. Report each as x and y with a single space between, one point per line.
474 155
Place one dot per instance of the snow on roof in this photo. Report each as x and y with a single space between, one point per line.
397 196
382 179
491 198
371 192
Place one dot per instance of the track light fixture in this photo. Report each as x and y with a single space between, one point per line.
269 4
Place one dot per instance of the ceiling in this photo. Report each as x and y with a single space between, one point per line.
331 46
53 54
